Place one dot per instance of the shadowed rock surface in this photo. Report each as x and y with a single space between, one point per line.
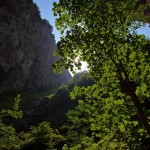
26 48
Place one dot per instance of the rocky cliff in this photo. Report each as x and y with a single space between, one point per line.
26 48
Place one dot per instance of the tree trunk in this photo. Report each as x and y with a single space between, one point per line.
129 91
140 111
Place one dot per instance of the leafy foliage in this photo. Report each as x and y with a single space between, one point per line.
42 137
8 135
80 79
106 119
38 137
61 102
103 33
111 113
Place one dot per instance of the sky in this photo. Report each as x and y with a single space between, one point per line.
45 7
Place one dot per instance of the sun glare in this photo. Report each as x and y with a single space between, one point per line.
77 59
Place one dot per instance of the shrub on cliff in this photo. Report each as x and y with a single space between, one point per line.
42 137
8 135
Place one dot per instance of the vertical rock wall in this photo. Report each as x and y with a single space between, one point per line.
26 48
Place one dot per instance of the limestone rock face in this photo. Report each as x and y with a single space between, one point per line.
26 48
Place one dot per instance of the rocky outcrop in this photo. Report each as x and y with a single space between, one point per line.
26 48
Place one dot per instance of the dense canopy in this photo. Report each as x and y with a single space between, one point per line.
103 33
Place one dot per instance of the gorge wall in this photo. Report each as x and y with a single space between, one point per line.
26 48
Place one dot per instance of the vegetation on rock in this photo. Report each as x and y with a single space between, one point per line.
111 103
22 130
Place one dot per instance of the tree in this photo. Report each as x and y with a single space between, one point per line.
103 33
80 79
42 137
8 137
103 123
